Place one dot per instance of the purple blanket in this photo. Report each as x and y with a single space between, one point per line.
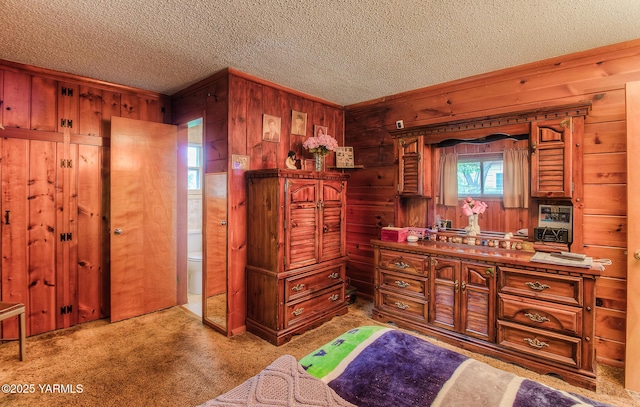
377 366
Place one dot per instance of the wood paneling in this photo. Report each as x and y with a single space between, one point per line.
61 282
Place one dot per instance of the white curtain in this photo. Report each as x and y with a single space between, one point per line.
516 178
448 194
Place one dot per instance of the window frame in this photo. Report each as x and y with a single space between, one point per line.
481 158
196 168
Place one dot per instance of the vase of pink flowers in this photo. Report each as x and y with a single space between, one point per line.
471 208
320 146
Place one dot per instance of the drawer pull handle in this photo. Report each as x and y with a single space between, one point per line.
400 264
537 286
298 312
298 287
401 305
334 275
535 343
536 317
402 284
456 284
334 297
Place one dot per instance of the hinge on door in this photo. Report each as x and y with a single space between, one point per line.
66 237
66 309
67 91
66 123
66 163
285 261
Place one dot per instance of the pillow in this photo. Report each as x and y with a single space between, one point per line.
283 383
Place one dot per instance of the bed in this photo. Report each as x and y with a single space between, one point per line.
380 366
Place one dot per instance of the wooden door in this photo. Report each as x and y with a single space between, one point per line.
143 217
332 227
444 276
477 300
216 235
551 158
632 358
15 221
301 236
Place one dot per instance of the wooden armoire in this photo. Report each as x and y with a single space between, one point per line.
296 262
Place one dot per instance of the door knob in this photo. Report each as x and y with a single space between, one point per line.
118 231
223 222
637 255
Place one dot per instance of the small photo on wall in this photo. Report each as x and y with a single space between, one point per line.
298 123
271 128
320 130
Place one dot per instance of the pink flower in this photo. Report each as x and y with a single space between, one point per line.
321 144
470 207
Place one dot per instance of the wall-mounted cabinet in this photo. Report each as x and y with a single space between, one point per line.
551 175
414 167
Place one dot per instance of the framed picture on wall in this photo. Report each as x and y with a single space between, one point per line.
320 130
298 123
271 128
344 157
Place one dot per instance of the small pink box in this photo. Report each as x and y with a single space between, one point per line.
391 234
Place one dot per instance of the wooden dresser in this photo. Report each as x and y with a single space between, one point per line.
296 260
492 301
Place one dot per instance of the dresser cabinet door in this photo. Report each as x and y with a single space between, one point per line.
477 300
444 285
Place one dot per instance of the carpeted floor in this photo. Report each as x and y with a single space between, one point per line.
168 358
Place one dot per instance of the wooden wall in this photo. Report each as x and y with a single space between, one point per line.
598 76
51 116
234 104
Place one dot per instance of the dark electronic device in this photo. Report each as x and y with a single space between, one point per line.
555 235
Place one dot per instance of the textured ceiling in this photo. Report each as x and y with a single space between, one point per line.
340 50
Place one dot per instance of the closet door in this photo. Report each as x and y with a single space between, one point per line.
29 230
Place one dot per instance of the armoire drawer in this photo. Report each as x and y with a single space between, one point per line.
299 311
540 344
543 286
406 263
306 284
405 284
541 314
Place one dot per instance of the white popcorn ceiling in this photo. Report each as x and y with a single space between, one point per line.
339 50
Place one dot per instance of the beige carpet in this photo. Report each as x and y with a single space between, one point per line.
169 358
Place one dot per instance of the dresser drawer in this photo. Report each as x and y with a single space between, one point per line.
404 306
307 284
299 311
543 286
540 344
406 263
404 284
541 314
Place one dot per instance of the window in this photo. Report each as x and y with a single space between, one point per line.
480 175
194 162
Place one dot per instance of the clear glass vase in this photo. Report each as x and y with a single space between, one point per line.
319 161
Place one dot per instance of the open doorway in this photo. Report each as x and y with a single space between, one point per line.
194 216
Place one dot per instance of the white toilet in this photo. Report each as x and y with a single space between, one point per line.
194 262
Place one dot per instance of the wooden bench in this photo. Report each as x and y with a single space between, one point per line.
12 309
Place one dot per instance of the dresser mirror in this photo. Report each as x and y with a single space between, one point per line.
479 168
